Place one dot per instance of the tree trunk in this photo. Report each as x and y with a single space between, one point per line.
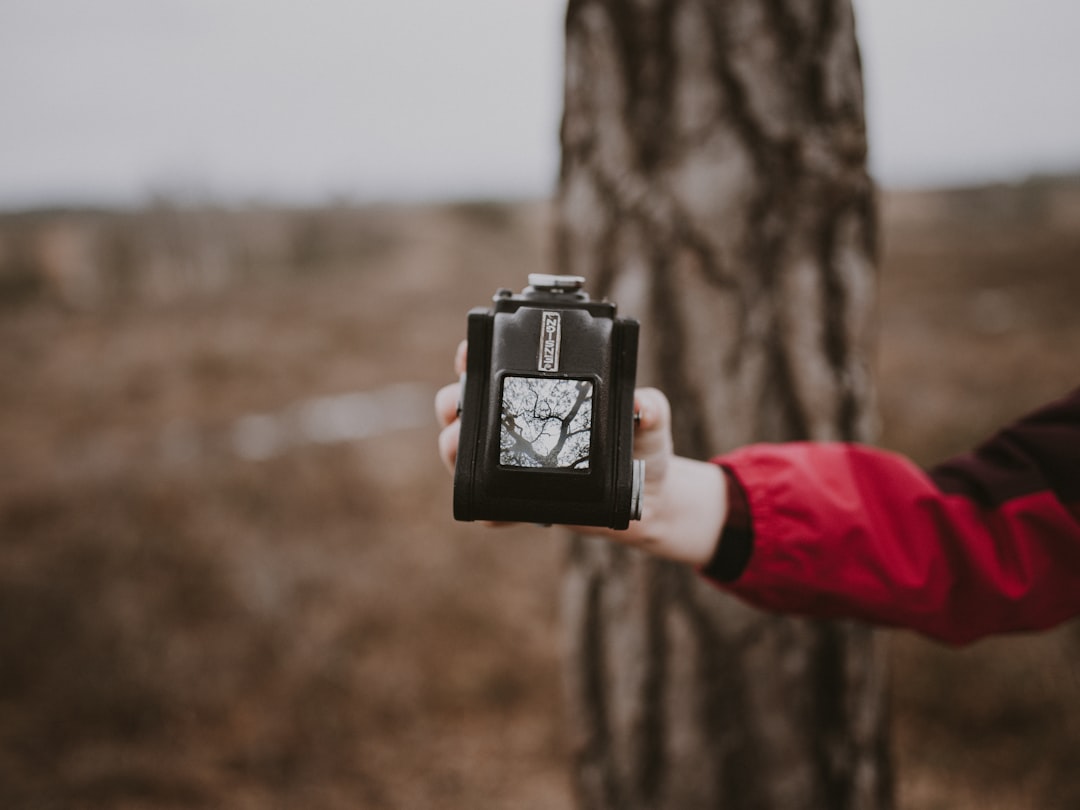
714 184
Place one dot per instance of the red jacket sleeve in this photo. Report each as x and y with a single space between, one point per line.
985 543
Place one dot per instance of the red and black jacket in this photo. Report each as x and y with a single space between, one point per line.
988 542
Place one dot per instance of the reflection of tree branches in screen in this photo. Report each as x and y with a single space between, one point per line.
546 423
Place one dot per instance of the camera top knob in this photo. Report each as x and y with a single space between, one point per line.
542 282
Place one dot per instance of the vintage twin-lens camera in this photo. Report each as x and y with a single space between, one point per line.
547 410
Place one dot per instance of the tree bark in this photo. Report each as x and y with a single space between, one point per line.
714 184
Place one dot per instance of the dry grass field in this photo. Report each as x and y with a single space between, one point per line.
226 583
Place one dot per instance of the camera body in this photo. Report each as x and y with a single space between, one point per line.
547 410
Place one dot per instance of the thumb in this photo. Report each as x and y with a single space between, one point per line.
652 438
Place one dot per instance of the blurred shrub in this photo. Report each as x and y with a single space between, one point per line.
94 259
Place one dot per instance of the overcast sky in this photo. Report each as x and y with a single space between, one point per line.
113 100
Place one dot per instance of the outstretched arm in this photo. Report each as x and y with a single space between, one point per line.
985 543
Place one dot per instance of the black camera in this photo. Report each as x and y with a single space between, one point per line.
547 410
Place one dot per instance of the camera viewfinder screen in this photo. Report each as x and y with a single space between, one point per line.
546 423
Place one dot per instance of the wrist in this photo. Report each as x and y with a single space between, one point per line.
687 516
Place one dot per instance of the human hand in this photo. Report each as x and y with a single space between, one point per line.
683 501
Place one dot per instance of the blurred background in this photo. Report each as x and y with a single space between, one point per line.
237 244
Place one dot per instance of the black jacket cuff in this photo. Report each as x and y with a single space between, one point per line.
736 543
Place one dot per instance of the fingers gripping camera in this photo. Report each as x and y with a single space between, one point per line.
547 410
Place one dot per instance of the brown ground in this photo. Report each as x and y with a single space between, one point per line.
182 627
